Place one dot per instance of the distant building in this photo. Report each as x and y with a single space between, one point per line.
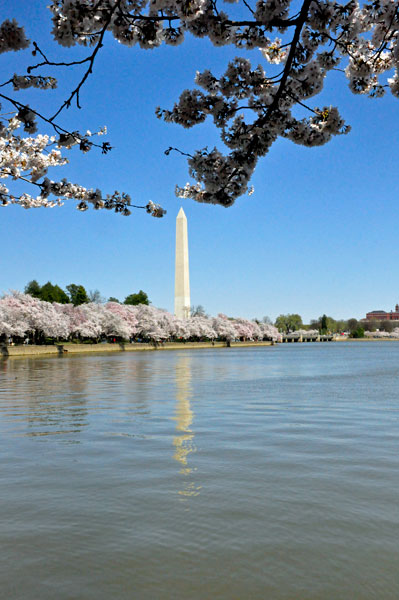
382 315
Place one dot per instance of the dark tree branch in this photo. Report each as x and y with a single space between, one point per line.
10 174
170 149
57 128
50 63
276 22
287 69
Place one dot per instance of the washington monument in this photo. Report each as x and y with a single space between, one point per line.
182 278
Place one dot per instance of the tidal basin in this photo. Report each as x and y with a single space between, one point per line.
228 474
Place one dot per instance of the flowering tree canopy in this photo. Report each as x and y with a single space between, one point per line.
23 316
252 106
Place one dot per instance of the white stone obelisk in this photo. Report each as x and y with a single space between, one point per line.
182 278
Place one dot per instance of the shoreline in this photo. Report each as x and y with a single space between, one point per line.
69 349
366 339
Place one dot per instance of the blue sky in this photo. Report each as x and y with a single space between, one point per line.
319 235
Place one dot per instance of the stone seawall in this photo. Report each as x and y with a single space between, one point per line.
68 349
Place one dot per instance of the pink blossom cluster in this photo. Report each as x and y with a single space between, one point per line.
23 316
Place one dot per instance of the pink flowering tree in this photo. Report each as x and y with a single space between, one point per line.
298 44
270 332
224 328
32 317
74 315
128 314
151 326
201 328
247 330
12 321
22 316
101 322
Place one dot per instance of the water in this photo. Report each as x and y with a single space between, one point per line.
237 474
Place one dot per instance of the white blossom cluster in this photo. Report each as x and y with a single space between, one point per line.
309 332
29 158
252 106
360 38
394 334
155 210
12 37
22 82
22 316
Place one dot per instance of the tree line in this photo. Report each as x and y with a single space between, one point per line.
25 319
324 324
285 323
76 294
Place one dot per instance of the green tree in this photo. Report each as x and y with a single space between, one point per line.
341 325
112 299
33 289
371 325
357 333
324 324
387 326
53 293
139 298
353 324
290 322
77 294
295 322
315 324
281 323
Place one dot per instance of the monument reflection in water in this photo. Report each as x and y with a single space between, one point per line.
184 438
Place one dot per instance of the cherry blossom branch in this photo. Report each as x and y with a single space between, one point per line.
287 69
66 137
10 174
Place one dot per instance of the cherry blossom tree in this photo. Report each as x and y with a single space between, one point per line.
224 328
394 334
12 321
270 332
102 322
298 44
200 328
127 313
151 324
23 316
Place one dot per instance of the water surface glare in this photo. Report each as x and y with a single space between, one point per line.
226 474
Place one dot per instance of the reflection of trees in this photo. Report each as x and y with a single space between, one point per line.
183 440
58 395
49 394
